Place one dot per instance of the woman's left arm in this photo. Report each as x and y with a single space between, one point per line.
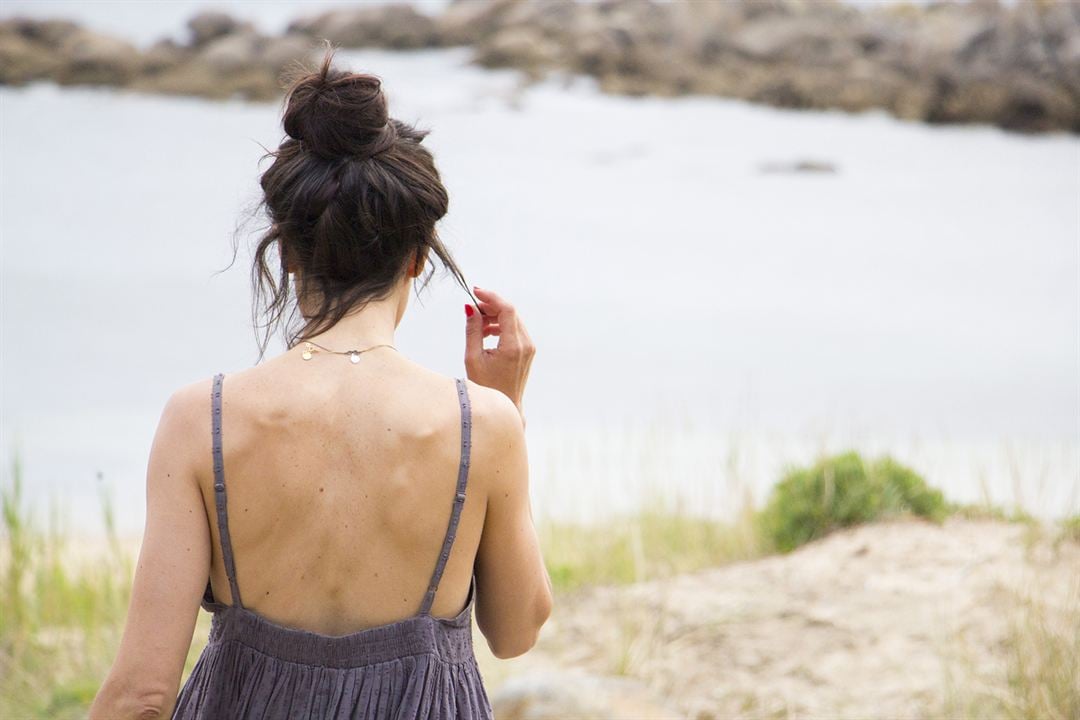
174 564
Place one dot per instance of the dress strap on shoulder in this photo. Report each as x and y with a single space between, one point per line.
219 492
459 497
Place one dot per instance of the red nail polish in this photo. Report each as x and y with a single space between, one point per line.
468 310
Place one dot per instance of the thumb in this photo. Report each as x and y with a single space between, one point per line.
474 334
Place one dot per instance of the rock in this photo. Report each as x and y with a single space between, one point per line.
521 47
555 20
465 22
249 50
561 695
1016 65
200 79
210 25
601 51
50 33
230 53
23 60
162 55
789 39
277 52
398 26
799 167
96 59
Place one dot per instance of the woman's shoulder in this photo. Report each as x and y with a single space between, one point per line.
184 427
188 401
498 438
492 408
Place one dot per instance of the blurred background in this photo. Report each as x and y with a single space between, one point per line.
745 236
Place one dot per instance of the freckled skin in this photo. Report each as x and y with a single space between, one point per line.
347 473
290 426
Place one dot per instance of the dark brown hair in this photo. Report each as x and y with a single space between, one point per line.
352 197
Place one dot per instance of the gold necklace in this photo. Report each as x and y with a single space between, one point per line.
354 355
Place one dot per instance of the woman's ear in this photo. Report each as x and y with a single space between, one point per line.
419 259
287 259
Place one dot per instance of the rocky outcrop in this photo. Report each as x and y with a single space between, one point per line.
29 49
1013 65
94 59
397 26
221 58
1016 66
211 25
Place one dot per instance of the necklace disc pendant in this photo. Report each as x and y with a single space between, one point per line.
354 357
306 355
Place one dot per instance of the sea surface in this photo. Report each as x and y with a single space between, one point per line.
704 315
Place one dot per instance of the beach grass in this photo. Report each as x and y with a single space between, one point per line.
1043 662
59 624
60 621
645 545
1036 676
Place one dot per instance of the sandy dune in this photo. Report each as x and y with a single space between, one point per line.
872 622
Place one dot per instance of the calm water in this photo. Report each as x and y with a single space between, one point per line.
700 323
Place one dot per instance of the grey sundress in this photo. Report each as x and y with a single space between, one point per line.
419 667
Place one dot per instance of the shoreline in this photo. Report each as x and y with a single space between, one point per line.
1014 66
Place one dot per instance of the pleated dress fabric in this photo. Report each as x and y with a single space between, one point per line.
419 667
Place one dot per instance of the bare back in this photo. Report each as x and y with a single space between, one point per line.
341 481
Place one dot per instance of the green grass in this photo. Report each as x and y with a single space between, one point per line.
987 511
59 623
1070 529
841 491
60 620
1038 679
1043 666
644 546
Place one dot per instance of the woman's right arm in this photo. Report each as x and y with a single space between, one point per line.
514 596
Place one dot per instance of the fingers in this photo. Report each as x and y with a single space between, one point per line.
502 312
501 319
506 366
492 303
474 334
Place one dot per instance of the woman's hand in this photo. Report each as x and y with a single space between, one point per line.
505 367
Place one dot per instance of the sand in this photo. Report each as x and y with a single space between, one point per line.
875 622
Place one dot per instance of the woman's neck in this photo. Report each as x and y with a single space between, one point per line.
373 325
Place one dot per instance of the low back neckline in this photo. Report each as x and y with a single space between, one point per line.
421 666
211 604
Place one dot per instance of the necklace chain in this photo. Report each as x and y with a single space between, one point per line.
354 355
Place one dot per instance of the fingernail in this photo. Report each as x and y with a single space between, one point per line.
468 310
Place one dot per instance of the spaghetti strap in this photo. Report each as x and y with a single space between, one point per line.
219 492
459 497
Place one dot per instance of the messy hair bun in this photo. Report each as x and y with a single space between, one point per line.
353 198
340 117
